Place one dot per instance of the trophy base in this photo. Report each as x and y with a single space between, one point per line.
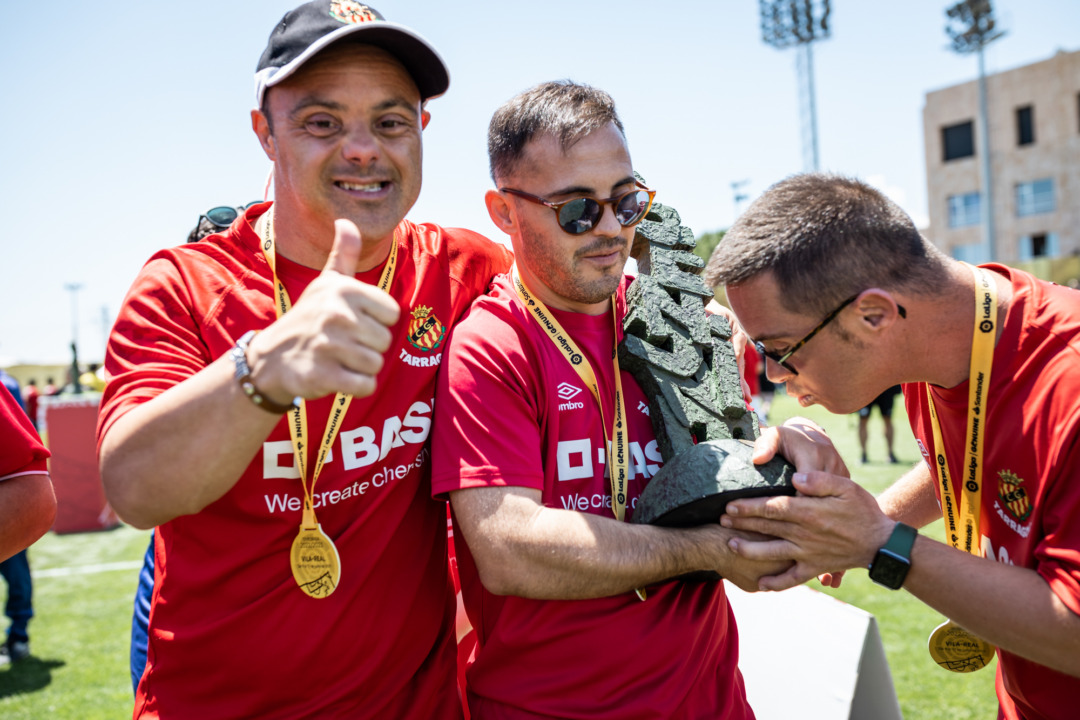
694 487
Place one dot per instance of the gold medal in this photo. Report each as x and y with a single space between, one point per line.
957 650
316 566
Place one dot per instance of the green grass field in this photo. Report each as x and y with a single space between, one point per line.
924 689
80 636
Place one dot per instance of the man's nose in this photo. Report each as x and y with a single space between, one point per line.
776 372
361 146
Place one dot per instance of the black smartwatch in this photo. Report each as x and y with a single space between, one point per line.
892 562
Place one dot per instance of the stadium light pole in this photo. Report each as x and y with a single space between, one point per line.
74 288
739 196
971 28
798 23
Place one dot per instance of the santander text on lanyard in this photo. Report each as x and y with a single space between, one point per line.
951 646
316 566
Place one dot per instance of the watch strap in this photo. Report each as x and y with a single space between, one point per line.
243 377
901 540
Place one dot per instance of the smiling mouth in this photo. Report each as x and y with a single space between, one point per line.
370 187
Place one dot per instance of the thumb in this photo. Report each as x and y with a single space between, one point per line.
346 251
766 446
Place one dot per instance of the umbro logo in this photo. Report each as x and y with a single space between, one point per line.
567 391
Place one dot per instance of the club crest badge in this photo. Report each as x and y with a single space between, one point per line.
1013 495
425 332
351 12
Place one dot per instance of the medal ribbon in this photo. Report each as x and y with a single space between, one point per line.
982 358
298 416
616 439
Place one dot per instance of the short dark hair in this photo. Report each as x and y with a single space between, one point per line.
562 108
825 238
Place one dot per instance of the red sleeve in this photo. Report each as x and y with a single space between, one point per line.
486 428
155 344
475 260
1058 552
21 451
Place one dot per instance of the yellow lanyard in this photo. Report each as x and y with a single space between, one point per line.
617 460
982 359
298 416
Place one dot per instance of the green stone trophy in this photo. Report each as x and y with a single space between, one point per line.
683 360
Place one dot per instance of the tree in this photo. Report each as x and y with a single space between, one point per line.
707 242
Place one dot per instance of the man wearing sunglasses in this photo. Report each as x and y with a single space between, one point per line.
270 401
847 299
529 395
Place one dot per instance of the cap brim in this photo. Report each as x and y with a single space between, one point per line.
420 59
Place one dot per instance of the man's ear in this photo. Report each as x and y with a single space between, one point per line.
425 118
261 126
877 309
500 211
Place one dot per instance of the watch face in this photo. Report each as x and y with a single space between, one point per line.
889 569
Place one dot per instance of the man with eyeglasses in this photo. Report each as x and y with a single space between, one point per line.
989 358
270 401
529 396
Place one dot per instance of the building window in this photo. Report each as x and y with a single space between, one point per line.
964 210
1035 197
1041 245
1025 125
958 140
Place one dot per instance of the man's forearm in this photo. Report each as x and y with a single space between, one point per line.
1011 607
182 450
522 548
911 499
27 510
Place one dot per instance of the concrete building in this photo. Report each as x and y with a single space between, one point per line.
1034 119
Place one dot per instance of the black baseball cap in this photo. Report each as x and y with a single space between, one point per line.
310 28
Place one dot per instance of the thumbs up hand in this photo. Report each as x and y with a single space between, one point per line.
333 338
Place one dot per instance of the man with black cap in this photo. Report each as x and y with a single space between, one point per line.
270 399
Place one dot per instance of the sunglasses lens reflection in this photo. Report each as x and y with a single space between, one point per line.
632 207
221 216
579 216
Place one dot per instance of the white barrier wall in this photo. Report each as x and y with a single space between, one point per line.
807 655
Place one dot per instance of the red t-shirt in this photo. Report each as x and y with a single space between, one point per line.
21 451
1031 474
511 411
751 359
231 635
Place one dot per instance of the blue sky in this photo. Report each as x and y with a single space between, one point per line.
119 128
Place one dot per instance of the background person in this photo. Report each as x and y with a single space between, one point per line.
30 397
27 510
884 403
194 434
548 564
847 299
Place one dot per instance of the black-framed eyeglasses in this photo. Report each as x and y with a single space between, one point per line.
781 360
223 216
581 215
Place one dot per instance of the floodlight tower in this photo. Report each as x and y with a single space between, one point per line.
739 196
787 23
74 288
971 27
